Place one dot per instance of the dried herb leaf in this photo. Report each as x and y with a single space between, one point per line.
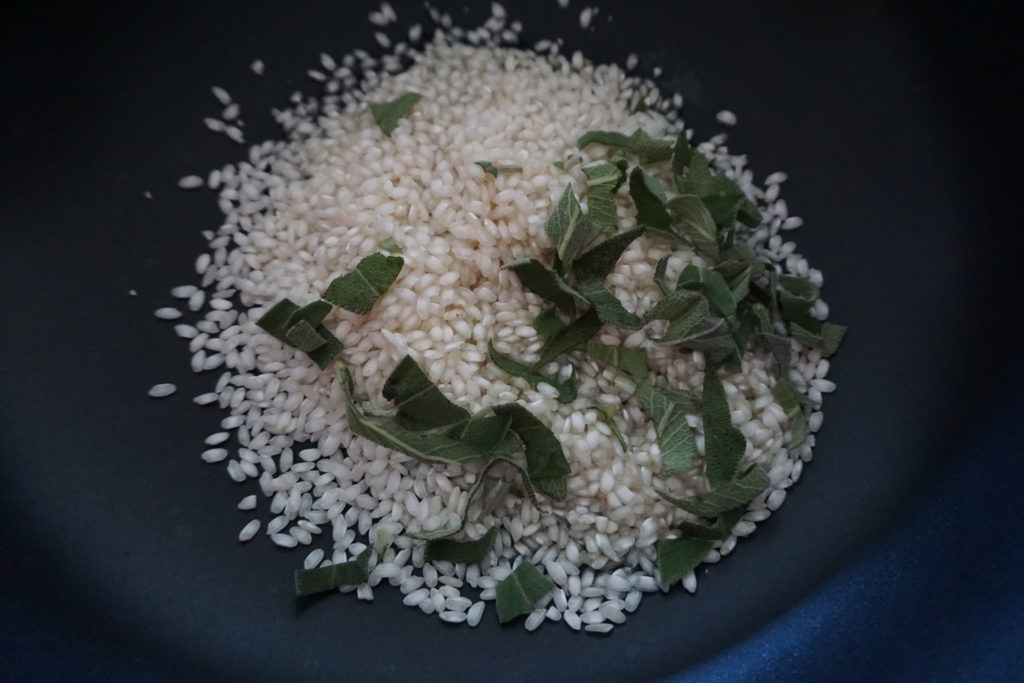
597 263
715 289
608 308
359 290
649 198
576 333
387 114
547 323
304 337
420 404
675 439
563 225
545 461
724 445
606 412
284 316
520 591
566 389
391 246
603 181
731 495
678 557
428 446
632 361
321 579
660 277
649 150
537 278
496 170
468 552
789 401
827 338
796 296
682 154
691 219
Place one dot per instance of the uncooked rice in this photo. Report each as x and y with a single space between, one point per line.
301 210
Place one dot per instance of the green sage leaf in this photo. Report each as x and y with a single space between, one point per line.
566 389
789 401
304 337
724 445
468 552
603 181
732 495
420 404
576 333
537 278
387 114
321 579
608 308
649 198
547 323
596 263
284 316
677 557
796 295
545 462
675 439
359 290
632 361
691 219
519 592
391 246
496 170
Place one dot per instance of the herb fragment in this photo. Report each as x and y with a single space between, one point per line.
566 389
675 439
648 150
678 557
321 579
420 404
496 170
547 323
545 283
469 552
732 495
608 308
519 592
603 181
288 323
632 361
359 290
724 445
387 114
545 462
596 263
789 401
692 220
649 198
576 333
391 246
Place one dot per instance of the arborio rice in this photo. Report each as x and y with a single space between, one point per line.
304 209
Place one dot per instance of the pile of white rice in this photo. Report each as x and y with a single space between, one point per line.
304 209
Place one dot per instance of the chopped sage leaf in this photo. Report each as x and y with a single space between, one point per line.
468 552
648 150
660 278
325 355
496 170
519 592
566 389
562 224
675 439
789 401
827 339
547 323
545 462
715 289
597 263
603 181
682 153
649 198
537 278
576 333
275 321
420 404
678 557
691 219
391 246
387 114
304 337
724 445
321 579
490 434
632 361
359 290
609 309
796 296
606 412
313 313
731 495
428 446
